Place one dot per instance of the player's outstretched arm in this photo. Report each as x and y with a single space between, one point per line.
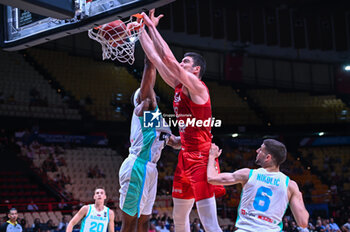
169 67
151 53
149 71
111 221
297 205
240 176
147 83
175 142
77 217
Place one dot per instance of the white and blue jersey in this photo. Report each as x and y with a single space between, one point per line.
95 221
138 174
147 142
264 200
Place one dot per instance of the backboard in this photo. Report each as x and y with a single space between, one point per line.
22 29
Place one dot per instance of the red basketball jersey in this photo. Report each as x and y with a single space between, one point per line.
196 131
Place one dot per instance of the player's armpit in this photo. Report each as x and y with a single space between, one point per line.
297 206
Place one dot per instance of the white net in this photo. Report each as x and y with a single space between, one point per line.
118 38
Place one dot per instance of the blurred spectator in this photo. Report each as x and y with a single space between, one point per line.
311 227
32 206
172 227
154 218
63 224
48 226
333 226
196 226
161 227
152 228
25 228
346 226
95 172
36 225
11 225
62 205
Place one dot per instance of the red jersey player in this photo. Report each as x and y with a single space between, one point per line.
191 101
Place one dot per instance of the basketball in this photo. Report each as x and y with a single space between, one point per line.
114 32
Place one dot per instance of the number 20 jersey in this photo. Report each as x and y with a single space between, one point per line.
264 200
95 221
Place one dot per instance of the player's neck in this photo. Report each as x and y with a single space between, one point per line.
272 169
99 206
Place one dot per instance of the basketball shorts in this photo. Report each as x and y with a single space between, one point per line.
190 177
138 186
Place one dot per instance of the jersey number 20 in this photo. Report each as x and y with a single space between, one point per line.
262 196
96 227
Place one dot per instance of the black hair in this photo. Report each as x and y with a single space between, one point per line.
276 149
12 209
198 60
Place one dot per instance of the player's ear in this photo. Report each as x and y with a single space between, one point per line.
197 69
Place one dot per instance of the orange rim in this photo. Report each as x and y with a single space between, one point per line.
139 16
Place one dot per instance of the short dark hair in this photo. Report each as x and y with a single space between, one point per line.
198 60
277 150
12 209
99 187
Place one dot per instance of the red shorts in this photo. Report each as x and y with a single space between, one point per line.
190 177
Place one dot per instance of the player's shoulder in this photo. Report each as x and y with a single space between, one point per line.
85 209
293 186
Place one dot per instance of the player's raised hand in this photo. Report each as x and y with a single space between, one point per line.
215 151
154 19
147 20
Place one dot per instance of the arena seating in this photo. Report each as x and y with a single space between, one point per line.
299 107
229 107
332 162
18 79
83 77
79 161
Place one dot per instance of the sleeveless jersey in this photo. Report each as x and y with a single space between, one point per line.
148 137
95 221
193 137
264 200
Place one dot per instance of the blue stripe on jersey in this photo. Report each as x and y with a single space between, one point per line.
83 222
138 174
239 206
287 181
108 217
250 173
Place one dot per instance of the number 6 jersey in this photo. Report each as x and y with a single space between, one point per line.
264 200
95 221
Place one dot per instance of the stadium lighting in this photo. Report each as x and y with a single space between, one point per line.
234 135
347 68
320 133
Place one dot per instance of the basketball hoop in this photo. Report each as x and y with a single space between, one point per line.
118 38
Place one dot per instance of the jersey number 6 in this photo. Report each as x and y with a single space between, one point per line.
262 199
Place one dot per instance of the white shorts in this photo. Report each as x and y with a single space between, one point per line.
138 186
